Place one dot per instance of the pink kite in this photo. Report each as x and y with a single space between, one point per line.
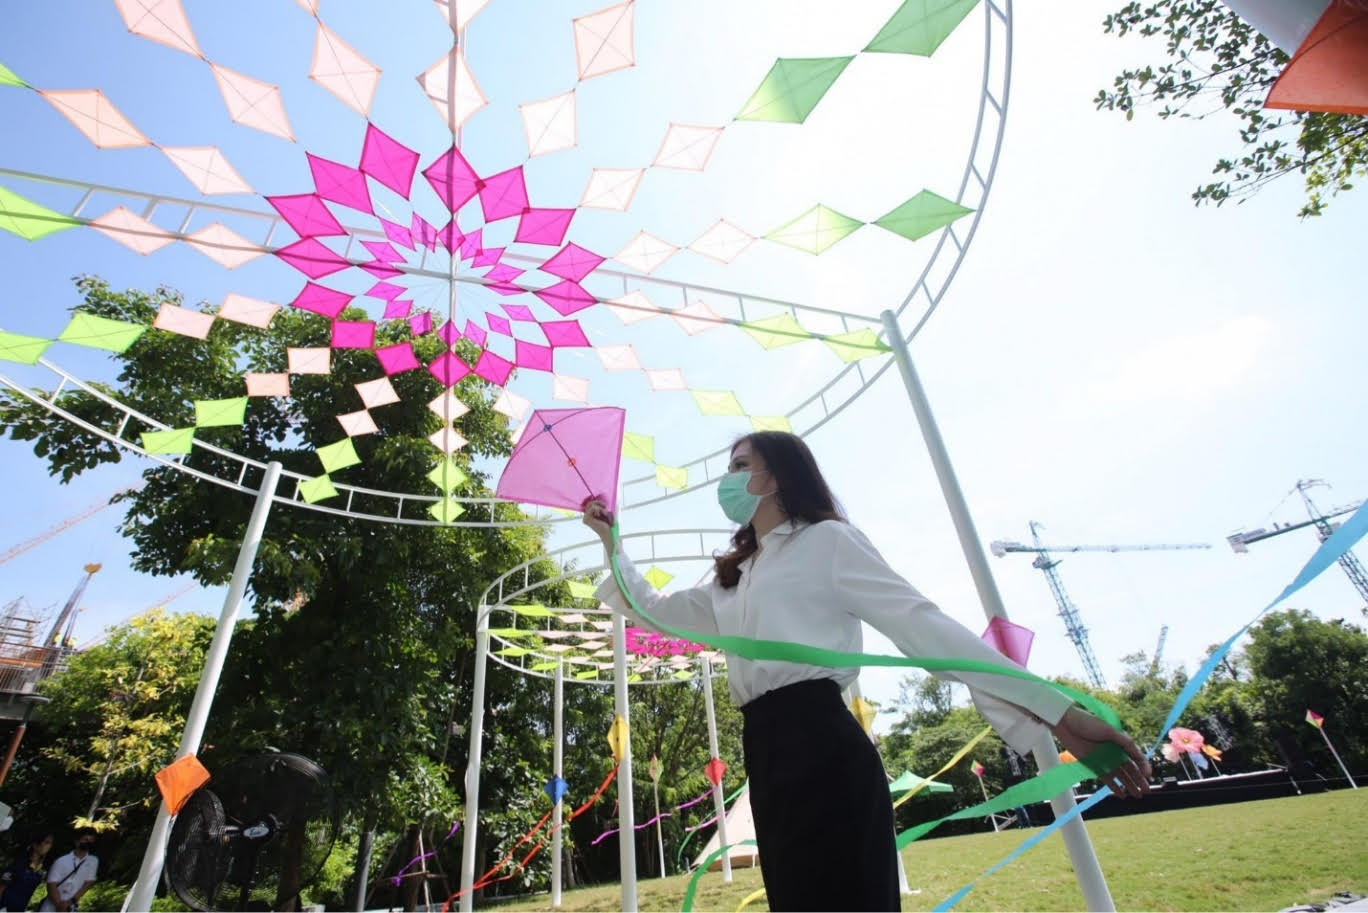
398 309
321 300
388 161
397 233
340 183
1011 640
313 258
565 457
397 358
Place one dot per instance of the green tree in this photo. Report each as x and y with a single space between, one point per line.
114 718
1298 662
361 649
1219 63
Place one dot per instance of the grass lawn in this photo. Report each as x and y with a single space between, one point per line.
1247 856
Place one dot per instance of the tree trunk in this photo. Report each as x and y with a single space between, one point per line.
408 891
363 859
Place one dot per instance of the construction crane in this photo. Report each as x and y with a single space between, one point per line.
160 604
58 529
1159 650
1353 569
1073 621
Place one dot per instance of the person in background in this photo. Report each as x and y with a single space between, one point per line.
72 875
24 875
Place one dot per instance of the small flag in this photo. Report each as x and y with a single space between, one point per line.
1315 719
617 738
653 769
978 769
715 769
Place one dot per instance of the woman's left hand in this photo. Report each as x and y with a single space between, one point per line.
1082 733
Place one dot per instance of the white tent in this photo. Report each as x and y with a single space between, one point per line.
740 826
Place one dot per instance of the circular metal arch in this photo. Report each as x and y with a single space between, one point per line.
922 299
670 546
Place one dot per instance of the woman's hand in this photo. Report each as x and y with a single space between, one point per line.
597 518
1082 733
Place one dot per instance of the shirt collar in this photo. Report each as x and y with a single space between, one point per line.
783 529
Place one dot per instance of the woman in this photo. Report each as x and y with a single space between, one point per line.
22 878
797 571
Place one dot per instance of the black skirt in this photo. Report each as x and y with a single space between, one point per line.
819 797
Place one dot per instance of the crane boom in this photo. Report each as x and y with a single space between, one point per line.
59 528
1348 562
1073 620
1003 546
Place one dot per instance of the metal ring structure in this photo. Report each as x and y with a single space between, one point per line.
498 603
923 298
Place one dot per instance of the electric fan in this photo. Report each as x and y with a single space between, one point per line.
254 836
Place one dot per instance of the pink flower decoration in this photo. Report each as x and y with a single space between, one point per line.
1170 753
1188 741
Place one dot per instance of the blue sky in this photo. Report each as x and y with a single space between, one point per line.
1110 360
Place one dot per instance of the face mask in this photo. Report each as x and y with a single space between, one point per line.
736 502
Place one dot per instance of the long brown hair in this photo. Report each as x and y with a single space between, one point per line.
803 494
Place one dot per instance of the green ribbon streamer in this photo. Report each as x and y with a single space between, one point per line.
1039 788
787 651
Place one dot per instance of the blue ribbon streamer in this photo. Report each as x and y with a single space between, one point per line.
1330 551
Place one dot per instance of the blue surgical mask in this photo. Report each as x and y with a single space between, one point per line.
736 502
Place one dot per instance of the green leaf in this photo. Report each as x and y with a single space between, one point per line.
792 88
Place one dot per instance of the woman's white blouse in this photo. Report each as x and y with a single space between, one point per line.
814 584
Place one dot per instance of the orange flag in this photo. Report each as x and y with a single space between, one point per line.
179 780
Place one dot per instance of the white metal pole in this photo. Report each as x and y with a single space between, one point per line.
718 802
557 763
993 818
1081 853
660 840
626 817
1337 758
472 777
154 857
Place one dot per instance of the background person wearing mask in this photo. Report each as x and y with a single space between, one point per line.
72 875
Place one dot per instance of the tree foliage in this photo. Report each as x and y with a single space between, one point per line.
1219 63
360 650
1252 708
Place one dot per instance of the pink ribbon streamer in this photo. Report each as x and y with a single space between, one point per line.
399 877
606 834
